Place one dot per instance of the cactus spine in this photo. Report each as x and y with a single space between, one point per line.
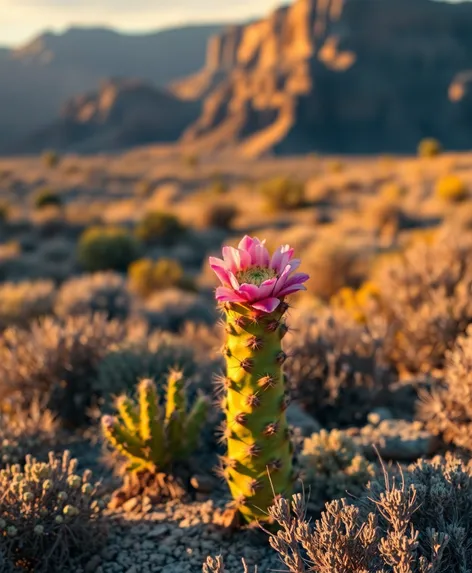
258 465
150 436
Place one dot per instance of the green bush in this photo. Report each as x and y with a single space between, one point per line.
46 198
147 276
220 215
107 248
429 147
158 227
51 158
283 194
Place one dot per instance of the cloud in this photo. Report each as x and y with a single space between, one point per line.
20 19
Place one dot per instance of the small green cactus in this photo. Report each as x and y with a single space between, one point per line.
153 437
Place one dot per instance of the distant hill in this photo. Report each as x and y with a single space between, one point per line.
39 77
120 114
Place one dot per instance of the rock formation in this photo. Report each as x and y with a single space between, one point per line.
338 76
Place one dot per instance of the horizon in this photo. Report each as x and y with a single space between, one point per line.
21 21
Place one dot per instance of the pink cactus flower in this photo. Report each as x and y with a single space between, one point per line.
250 276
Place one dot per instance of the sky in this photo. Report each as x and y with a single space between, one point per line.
21 20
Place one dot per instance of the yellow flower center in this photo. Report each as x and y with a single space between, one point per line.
255 275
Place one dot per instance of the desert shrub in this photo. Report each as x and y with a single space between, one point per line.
147 357
147 276
392 191
331 267
25 431
425 297
335 369
429 147
332 467
420 524
220 215
24 301
4 211
159 228
450 188
192 161
49 514
172 309
218 185
216 565
447 409
50 158
100 292
143 188
46 198
56 359
335 166
356 302
107 248
283 194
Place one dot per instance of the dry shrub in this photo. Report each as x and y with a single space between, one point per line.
220 215
332 466
335 369
48 514
24 301
447 410
50 158
159 228
283 194
32 431
57 360
451 188
331 267
420 525
425 296
100 292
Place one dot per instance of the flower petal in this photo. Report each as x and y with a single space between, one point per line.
236 259
225 294
281 257
246 243
219 268
292 288
267 304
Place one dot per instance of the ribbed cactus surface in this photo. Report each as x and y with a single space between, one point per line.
258 465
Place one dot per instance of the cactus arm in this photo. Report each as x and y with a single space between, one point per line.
176 397
152 423
194 423
128 413
123 441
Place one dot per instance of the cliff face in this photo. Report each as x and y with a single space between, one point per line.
338 75
122 113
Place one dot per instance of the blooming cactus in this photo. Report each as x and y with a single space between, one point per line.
258 464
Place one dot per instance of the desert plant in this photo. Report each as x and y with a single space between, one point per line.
283 194
4 211
216 565
220 215
147 276
451 188
25 431
152 437
355 302
192 161
50 158
336 369
258 464
104 292
447 409
46 198
24 301
58 360
149 356
107 248
48 514
429 147
421 524
425 297
159 228
332 466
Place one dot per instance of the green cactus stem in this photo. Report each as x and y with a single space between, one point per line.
258 465
153 437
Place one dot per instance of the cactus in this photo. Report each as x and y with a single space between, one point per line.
258 464
150 436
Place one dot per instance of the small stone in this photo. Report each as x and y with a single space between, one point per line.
300 419
130 505
202 483
93 564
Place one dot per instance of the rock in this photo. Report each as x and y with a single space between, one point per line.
397 440
130 504
93 564
300 419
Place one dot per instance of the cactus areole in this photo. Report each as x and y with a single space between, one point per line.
258 464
